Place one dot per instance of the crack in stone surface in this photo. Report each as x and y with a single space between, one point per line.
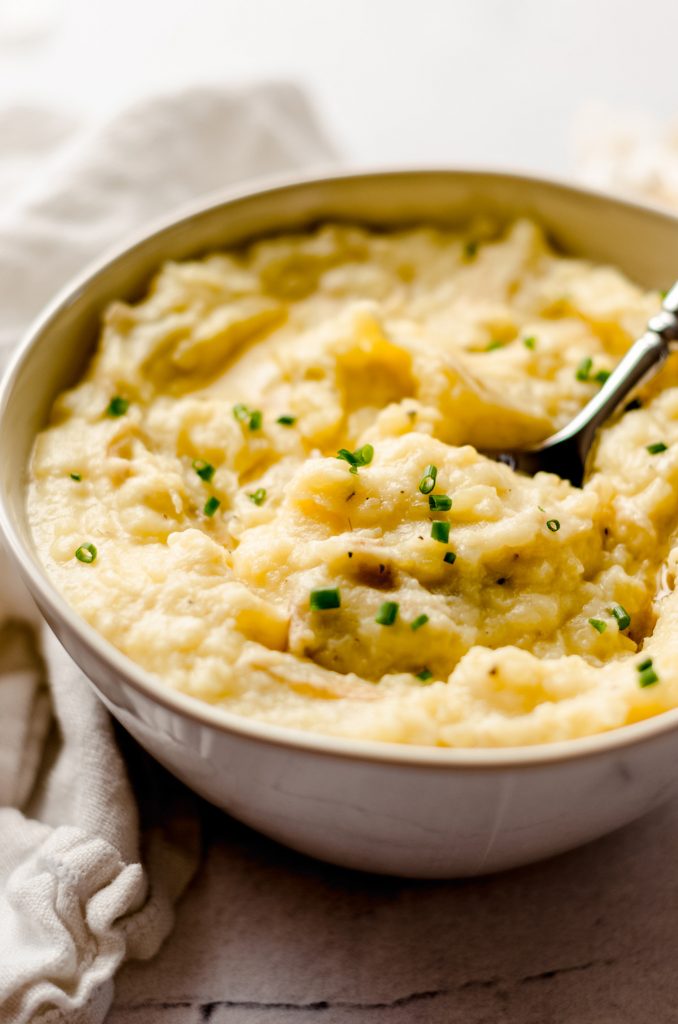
572 969
526 979
207 1009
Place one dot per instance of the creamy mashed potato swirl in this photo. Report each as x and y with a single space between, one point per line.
188 501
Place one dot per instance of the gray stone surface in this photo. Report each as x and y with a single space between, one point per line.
265 936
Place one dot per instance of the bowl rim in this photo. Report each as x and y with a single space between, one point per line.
215 716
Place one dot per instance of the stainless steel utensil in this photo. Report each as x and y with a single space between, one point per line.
565 452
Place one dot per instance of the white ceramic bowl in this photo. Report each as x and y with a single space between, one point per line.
405 810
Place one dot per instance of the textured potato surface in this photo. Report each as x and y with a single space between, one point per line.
412 589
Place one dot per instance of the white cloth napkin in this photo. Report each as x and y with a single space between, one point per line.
88 878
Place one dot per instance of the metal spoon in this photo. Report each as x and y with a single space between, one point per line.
565 453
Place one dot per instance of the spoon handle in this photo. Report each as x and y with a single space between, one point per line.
642 361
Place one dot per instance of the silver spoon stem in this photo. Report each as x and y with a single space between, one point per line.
642 361
565 453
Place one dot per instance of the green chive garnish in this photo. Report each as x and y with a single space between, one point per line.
530 342
211 505
646 673
657 448
494 344
364 455
553 525
252 417
349 457
583 371
602 376
440 530
417 623
360 457
259 496
424 674
117 406
439 502
450 558
470 249
621 615
76 476
286 421
204 470
428 481
324 600
387 614
598 625
86 553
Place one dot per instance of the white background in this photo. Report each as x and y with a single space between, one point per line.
473 81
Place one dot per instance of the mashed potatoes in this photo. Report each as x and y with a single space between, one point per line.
188 499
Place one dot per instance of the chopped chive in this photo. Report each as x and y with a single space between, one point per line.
324 600
76 476
663 292
360 457
450 557
349 457
259 496
470 249
583 371
646 674
428 481
439 502
387 614
417 623
530 342
621 615
602 376
495 343
286 421
204 470
252 417
598 625
424 675
541 509
440 530
211 505
656 448
117 406
364 455
86 553
553 525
